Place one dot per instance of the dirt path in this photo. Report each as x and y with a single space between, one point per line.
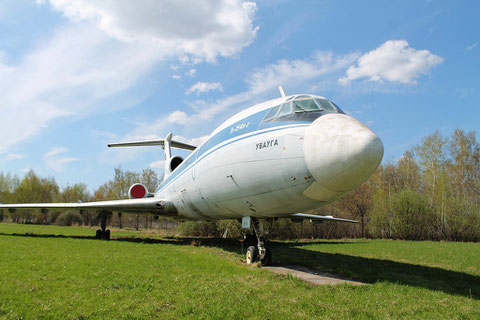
313 277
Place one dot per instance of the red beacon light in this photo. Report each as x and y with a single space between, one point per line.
138 191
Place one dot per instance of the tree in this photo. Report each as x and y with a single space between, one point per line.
433 164
410 215
464 169
75 193
150 179
408 172
34 189
357 203
8 185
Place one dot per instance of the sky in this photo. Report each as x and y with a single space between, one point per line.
76 75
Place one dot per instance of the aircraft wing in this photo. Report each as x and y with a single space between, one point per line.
144 205
315 217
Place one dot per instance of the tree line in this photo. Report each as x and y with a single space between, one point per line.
34 189
432 192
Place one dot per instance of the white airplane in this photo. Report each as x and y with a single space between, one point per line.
276 159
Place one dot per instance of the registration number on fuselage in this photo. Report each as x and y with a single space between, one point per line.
239 127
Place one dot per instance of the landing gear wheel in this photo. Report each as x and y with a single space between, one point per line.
98 234
107 234
251 255
267 260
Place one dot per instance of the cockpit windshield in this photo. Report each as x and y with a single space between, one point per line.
305 105
301 108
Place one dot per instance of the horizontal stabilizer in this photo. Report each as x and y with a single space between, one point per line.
318 218
157 142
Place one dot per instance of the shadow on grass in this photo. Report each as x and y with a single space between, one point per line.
357 268
376 270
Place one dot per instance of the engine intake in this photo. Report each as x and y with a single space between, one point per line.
175 162
138 191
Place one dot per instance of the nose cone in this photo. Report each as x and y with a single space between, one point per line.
341 152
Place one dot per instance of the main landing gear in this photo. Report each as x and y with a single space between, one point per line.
260 252
103 233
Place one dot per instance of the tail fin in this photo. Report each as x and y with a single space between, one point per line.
166 144
168 155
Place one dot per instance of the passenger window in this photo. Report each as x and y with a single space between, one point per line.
327 106
271 114
305 105
285 109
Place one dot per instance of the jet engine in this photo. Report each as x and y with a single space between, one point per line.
138 191
175 162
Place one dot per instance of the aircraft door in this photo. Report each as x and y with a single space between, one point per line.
295 171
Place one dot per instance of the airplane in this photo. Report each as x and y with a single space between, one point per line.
276 159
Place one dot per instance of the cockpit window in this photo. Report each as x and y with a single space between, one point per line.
326 105
286 109
270 115
305 105
301 108
338 108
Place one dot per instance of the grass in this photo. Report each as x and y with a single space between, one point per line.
62 272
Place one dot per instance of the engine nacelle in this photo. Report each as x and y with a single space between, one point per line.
174 162
138 191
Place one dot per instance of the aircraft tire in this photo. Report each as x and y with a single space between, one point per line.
267 260
98 234
251 255
107 234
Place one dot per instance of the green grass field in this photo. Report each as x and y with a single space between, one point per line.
62 272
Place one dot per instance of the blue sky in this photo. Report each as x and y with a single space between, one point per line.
78 74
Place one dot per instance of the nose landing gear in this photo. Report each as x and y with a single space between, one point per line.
260 252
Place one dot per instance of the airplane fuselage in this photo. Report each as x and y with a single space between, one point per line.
281 157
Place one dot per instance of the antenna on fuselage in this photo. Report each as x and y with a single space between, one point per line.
280 88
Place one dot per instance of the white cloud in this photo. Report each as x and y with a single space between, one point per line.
203 29
291 72
472 46
191 73
394 61
202 87
104 50
55 152
71 74
160 164
179 117
54 161
176 77
15 156
193 141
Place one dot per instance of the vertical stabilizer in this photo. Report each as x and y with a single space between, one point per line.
167 146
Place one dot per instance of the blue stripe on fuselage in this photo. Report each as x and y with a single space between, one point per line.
249 125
